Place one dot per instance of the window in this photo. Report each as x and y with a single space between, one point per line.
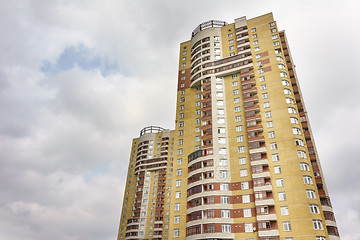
273 30
231 41
277 169
183 65
307 180
253 30
178 172
222 162
236 91
287 226
237 118
225 199
283 74
176 232
272 134
231 48
221 140
261 71
223 173
182 85
180 151
236 100
239 128
230 35
304 166
244 185
258 56
242 161
225 213
263 87
249 227
226 228
216 38
287 91
221 120
177 206
272 24
217 44
268 114
246 198
273 145
224 187
181 115
275 157
279 182
282 196
198 95
243 172
310 193
317 224
219 86
289 100
254 35
222 151
247 212
301 154
256 42
181 132
299 142
197 129
241 149
180 142
277 43
291 110
257 49
178 183
294 120
284 82
284 210
240 138
265 96
197 120
182 99
262 79
278 51
221 130
259 63
178 194
269 124
234 83
314 208
266 104
237 109
296 131
320 238
273 37
177 219
279 59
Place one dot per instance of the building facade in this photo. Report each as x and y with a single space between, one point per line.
241 162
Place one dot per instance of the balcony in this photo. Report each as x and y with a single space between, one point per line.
263 202
262 174
263 188
257 150
266 217
269 233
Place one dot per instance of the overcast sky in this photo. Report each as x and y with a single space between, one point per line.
77 79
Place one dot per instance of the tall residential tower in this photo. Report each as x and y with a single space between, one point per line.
241 162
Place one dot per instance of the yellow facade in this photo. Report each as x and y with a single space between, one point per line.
241 162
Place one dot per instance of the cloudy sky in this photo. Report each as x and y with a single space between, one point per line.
76 80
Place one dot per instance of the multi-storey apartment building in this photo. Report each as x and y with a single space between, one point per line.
241 162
